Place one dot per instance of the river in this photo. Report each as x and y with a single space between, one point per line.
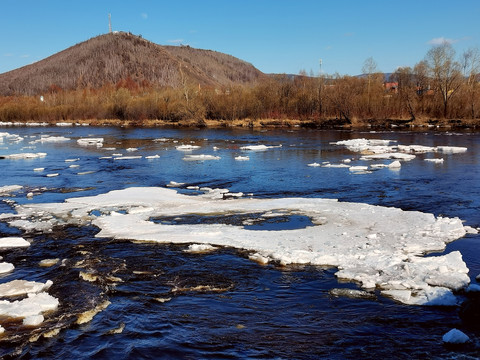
224 305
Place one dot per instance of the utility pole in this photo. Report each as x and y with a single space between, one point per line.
109 23
320 66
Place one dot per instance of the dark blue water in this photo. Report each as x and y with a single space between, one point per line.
226 306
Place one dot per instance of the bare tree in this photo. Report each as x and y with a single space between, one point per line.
445 72
471 68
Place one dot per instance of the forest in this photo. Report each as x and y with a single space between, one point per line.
439 89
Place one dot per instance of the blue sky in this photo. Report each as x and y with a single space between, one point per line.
275 36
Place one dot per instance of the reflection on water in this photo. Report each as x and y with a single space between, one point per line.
159 301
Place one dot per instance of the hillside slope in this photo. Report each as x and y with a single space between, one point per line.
112 57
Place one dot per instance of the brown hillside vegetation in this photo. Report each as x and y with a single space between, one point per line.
123 79
110 58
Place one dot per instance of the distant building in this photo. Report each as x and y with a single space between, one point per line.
391 87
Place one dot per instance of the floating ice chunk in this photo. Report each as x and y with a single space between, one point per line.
50 139
38 169
358 168
22 287
264 260
52 175
73 166
11 242
72 160
187 147
455 336
337 165
131 149
339 237
386 156
64 124
34 304
110 149
451 149
48 262
127 157
352 293
8 189
347 161
85 172
395 165
200 248
242 158
6 267
152 157
378 166
201 157
417 149
90 142
33 320
436 161
175 184
26 155
315 164
259 147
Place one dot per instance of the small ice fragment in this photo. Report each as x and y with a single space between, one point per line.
71 160
451 149
395 165
38 169
52 175
74 166
358 168
187 147
131 149
242 158
315 164
48 262
11 242
200 248
30 195
152 157
263 260
33 320
436 161
6 267
200 157
128 157
175 184
90 141
455 336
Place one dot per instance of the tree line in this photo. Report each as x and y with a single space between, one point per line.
438 87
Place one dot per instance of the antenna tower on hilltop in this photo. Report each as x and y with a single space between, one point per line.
109 23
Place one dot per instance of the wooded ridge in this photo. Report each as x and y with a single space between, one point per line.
120 78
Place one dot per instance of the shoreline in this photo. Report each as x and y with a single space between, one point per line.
330 124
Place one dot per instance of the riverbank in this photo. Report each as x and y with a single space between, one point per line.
473 124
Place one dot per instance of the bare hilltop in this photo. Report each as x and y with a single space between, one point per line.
113 57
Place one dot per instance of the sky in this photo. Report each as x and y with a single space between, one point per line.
276 36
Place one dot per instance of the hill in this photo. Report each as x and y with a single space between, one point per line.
113 57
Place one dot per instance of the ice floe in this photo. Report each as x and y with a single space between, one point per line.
187 147
8 189
6 267
152 157
13 242
90 142
242 158
436 161
23 287
200 157
128 157
259 147
26 155
377 246
455 336
50 139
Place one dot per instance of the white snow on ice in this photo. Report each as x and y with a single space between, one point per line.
376 246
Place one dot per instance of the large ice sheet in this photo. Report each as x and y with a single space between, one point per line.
376 246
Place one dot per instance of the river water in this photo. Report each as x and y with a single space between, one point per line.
226 306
